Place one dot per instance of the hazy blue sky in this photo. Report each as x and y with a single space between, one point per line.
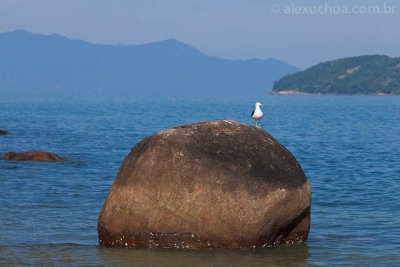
299 32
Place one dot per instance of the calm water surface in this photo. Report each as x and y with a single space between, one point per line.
349 148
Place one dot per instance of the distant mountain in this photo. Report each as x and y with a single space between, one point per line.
371 74
52 64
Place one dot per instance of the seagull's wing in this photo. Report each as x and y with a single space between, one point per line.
252 113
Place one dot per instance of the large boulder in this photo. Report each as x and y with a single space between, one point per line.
32 156
220 184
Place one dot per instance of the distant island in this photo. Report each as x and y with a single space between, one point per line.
362 75
53 65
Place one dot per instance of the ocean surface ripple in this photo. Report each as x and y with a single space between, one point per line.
349 148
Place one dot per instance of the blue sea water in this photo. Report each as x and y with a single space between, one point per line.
348 146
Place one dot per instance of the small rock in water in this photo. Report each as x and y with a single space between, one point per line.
2 132
32 156
223 192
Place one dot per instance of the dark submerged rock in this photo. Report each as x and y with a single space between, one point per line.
32 156
3 132
220 184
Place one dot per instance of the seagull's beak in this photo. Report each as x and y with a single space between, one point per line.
261 104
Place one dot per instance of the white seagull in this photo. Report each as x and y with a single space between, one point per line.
257 114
